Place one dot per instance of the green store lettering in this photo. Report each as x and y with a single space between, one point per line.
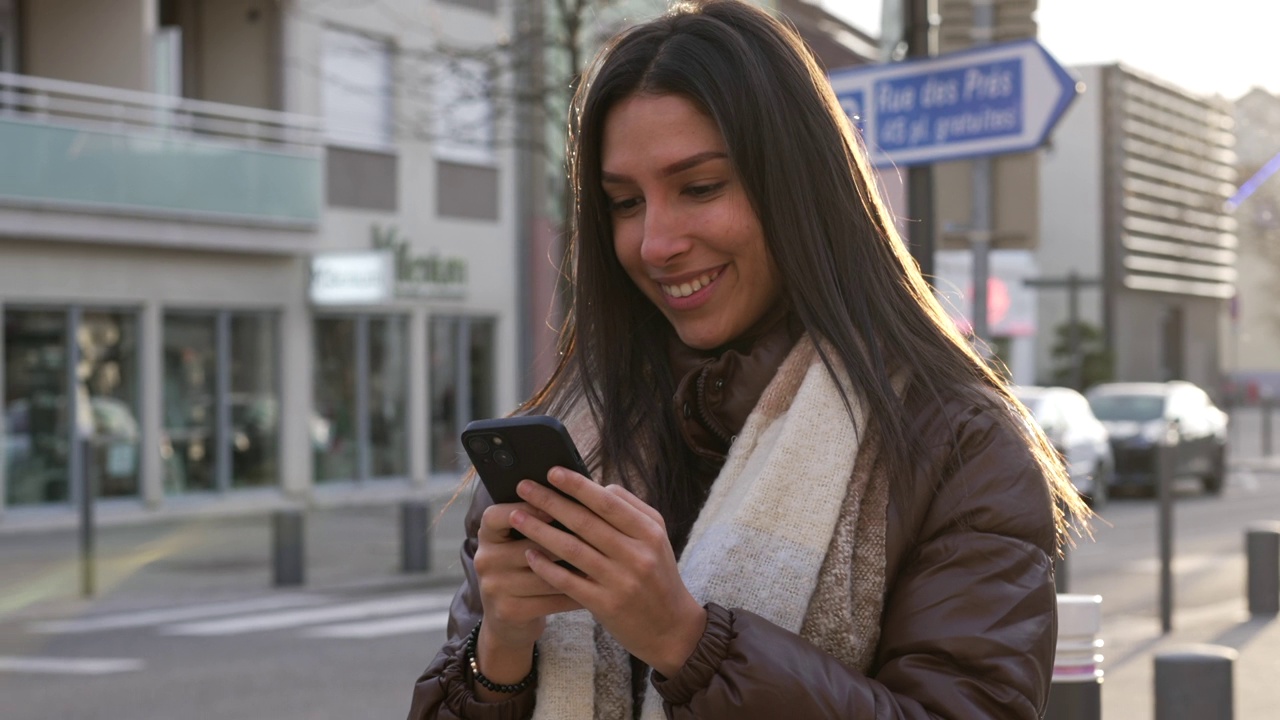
430 269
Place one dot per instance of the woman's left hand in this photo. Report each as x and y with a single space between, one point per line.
629 580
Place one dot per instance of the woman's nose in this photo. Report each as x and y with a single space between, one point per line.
664 236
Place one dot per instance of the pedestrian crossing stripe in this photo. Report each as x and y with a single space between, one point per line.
307 616
144 618
68 666
365 618
429 622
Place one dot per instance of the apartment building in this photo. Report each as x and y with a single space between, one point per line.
1251 346
243 250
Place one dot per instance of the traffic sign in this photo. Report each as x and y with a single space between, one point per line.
986 101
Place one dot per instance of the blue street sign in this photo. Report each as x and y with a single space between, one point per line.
985 101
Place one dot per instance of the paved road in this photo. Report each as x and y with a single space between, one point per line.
285 656
191 628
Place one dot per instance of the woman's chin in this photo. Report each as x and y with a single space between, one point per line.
702 338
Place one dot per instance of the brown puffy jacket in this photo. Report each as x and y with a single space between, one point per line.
969 621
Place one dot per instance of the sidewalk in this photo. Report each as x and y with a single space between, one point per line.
203 557
1128 690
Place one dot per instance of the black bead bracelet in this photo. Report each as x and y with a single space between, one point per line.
486 682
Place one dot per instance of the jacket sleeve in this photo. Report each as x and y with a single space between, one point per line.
969 621
443 691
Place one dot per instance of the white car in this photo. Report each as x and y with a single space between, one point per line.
1066 418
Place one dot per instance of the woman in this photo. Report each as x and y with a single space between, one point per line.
815 500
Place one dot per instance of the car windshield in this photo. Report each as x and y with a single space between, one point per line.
1127 407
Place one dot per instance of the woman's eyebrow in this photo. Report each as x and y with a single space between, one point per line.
676 167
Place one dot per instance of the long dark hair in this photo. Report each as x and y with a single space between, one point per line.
845 273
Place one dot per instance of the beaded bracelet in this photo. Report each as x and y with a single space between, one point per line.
486 682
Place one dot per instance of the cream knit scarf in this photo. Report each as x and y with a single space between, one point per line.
793 530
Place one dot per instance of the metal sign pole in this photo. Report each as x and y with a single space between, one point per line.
88 491
1165 467
980 223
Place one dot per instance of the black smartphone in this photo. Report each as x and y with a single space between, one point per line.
505 451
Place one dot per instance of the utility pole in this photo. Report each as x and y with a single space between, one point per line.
980 221
919 39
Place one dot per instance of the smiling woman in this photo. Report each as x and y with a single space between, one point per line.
809 497
683 227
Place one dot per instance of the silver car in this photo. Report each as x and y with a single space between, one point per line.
1066 419
1140 416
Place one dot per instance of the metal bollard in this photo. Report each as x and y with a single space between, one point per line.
1194 682
415 536
1262 548
1076 693
288 556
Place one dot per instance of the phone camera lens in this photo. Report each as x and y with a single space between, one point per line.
504 457
478 445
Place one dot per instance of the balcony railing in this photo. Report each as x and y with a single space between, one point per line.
98 149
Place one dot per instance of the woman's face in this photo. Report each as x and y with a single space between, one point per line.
682 225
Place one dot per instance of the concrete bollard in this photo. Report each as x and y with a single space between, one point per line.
288 549
1076 693
1262 548
1194 682
415 536
1268 408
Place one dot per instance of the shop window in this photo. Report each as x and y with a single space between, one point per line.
52 435
462 353
360 393
221 401
254 401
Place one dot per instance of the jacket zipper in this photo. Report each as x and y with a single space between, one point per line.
707 421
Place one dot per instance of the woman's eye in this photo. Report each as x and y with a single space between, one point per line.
704 190
623 204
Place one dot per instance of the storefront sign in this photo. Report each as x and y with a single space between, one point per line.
352 278
429 275
1011 308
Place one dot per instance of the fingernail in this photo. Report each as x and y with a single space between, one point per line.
518 517
531 556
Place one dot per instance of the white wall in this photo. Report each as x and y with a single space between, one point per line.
489 247
1071 213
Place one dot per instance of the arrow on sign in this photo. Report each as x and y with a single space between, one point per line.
987 101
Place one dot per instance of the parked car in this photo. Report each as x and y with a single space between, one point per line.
1066 419
1140 415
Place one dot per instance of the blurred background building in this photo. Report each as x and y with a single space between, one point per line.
1133 192
278 248
260 249
1252 338
239 247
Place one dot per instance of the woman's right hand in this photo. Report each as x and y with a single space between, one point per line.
516 602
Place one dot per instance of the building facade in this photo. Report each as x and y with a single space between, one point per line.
1251 346
245 251
1132 202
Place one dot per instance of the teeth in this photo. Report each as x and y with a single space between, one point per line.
691 287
